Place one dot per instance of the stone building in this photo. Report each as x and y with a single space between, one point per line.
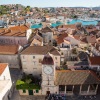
47 34
69 82
9 54
31 58
17 35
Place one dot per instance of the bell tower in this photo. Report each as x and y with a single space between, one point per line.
48 74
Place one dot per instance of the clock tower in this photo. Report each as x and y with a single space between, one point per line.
48 74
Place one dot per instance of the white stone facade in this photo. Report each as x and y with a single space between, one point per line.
48 81
31 64
5 84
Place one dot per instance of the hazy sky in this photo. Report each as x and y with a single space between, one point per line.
53 3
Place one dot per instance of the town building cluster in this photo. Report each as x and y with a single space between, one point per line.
54 60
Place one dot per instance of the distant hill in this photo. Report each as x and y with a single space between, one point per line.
78 7
96 8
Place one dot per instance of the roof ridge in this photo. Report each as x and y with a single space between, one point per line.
93 74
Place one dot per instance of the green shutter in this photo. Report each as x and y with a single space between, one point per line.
37 91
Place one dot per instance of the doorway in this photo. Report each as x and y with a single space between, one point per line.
30 92
48 92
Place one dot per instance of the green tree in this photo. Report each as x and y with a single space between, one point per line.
27 8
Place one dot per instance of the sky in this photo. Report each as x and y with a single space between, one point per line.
54 3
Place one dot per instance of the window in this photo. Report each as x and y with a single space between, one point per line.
69 88
61 53
56 63
34 68
24 91
56 58
24 61
25 67
40 60
37 91
34 62
18 42
33 57
23 57
11 41
61 88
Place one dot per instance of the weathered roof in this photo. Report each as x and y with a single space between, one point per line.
46 29
76 77
95 60
14 31
42 50
2 67
91 39
9 49
48 60
35 42
60 39
73 26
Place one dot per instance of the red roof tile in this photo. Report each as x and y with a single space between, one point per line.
12 31
8 49
60 39
2 67
95 60
48 60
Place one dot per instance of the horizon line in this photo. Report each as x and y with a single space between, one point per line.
51 6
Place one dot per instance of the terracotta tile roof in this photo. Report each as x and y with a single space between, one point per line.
48 60
2 31
94 32
20 19
91 39
28 12
2 67
42 50
35 42
83 39
76 77
73 26
96 46
95 60
60 39
46 29
91 29
14 31
9 49
38 37
77 37
47 16
66 41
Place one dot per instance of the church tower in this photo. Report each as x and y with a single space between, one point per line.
48 75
